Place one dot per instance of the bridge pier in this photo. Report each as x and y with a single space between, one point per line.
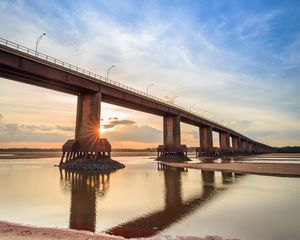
172 149
224 142
206 141
88 149
244 145
236 144
250 147
171 130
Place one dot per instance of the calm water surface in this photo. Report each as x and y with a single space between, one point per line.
142 201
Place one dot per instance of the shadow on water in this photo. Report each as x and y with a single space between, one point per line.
85 187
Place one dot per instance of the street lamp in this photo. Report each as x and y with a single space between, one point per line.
190 107
172 99
150 85
108 70
37 42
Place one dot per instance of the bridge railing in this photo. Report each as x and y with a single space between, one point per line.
66 65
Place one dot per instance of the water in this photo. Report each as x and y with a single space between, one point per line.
142 201
6 155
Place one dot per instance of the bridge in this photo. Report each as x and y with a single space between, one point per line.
22 64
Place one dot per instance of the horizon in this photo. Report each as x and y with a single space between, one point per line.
240 68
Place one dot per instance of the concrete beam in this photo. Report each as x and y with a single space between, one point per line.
172 130
206 139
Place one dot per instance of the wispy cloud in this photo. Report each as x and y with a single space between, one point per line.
12 132
236 59
134 133
113 122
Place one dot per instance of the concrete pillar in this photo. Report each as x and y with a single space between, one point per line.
172 130
254 146
236 144
224 141
250 146
244 145
247 146
206 139
88 119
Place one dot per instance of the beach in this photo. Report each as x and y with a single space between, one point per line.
12 231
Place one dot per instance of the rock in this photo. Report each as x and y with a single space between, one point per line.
102 164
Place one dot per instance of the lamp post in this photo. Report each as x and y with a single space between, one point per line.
172 99
37 42
190 107
108 70
150 85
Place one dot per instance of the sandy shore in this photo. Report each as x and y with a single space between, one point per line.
274 169
11 231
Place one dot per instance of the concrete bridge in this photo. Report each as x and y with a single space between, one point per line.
22 64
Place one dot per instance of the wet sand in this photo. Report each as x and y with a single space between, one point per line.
273 169
11 231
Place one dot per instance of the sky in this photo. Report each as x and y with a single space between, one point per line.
235 62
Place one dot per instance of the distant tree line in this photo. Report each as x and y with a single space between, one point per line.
30 149
289 149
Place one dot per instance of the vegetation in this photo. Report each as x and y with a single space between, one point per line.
289 149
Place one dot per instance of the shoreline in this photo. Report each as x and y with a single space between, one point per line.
270 169
13 231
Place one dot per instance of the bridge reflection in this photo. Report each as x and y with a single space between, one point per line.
175 208
86 187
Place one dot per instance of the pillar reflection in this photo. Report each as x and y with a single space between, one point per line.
84 187
175 209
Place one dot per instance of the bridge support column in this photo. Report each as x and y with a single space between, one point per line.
88 149
206 139
236 144
172 149
254 148
88 120
244 145
250 147
172 130
224 142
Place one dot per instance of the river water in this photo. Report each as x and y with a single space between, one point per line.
143 201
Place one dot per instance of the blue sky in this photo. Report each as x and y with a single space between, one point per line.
237 62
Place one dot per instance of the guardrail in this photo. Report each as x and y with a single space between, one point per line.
98 77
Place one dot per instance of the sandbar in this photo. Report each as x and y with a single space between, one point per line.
273 169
